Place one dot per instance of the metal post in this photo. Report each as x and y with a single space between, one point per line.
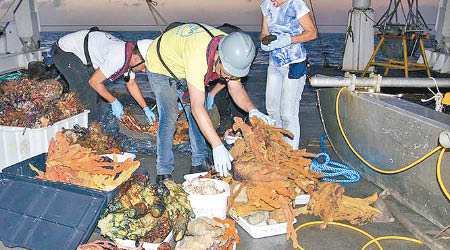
405 55
373 55
424 56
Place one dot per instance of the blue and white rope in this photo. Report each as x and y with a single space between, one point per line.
331 169
10 76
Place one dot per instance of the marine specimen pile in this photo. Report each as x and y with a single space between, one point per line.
145 212
330 204
35 104
92 137
130 121
269 172
212 234
81 166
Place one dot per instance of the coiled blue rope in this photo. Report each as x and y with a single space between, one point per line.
10 76
331 169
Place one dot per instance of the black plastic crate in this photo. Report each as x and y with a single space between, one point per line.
43 215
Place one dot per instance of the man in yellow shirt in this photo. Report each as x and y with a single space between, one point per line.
197 54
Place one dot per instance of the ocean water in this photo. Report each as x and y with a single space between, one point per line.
329 44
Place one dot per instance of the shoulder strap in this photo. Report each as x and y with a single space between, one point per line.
86 49
158 51
207 30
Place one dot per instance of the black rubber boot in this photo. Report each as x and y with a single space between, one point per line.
163 177
204 167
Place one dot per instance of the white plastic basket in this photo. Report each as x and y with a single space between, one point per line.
261 231
210 205
18 144
146 246
302 199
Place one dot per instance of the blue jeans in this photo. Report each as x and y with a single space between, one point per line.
166 95
283 97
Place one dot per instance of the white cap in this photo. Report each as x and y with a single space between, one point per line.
143 46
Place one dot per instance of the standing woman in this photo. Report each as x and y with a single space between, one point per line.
286 25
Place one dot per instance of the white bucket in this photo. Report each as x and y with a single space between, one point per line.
210 205
190 177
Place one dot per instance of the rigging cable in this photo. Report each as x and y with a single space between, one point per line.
151 5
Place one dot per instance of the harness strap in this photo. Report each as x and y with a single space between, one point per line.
207 30
158 51
86 49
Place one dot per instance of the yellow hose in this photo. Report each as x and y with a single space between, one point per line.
391 238
364 160
337 224
438 173
372 239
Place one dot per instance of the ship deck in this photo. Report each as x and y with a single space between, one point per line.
311 238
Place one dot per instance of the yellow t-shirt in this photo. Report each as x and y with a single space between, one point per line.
183 49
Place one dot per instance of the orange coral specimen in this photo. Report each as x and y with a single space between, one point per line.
230 235
81 166
270 170
330 204
129 121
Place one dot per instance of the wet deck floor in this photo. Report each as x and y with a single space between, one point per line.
311 238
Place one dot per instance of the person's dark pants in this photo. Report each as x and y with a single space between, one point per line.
77 75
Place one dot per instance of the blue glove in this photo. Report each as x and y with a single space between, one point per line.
222 160
283 40
209 102
117 108
265 47
261 116
150 115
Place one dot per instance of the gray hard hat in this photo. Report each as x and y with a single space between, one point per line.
237 52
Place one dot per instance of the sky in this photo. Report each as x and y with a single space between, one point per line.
118 14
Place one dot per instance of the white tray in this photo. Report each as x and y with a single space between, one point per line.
302 199
261 231
18 144
147 246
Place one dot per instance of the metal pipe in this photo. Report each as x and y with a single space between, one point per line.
412 82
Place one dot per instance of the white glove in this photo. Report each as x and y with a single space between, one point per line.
265 47
222 160
261 116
